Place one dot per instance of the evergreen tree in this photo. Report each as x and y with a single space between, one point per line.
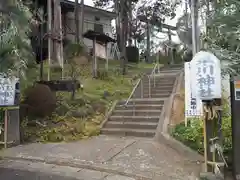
15 24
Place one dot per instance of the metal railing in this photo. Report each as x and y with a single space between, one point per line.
141 84
153 73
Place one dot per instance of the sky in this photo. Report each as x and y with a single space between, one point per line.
172 22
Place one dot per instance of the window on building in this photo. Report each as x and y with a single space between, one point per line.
97 18
97 26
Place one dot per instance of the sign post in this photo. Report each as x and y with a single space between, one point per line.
235 106
9 99
206 85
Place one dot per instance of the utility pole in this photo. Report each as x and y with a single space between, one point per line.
123 35
49 11
186 20
207 20
194 16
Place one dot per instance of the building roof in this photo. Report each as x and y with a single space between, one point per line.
100 37
70 6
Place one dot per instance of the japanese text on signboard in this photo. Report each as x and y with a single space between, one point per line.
206 74
7 91
205 78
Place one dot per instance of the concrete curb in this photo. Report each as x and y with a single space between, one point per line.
89 166
162 134
180 147
108 114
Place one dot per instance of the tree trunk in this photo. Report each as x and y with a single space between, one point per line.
76 11
122 36
195 37
148 43
82 21
135 32
130 25
49 12
170 50
118 31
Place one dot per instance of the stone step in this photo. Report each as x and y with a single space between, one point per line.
142 101
129 132
135 112
174 66
158 91
131 125
140 107
157 84
154 95
171 68
160 87
170 71
134 118
160 79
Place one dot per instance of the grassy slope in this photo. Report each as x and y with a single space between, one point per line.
89 106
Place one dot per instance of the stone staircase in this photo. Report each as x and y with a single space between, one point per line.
141 115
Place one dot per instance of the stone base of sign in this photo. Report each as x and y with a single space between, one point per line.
209 176
13 129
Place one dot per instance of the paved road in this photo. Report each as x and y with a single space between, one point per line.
104 157
27 170
13 174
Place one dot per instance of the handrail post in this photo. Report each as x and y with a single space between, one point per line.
149 87
132 93
154 80
141 88
134 105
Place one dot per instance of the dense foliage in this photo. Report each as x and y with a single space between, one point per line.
15 51
222 35
192 135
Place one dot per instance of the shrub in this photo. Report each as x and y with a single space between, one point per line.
39 102
132 53
192 135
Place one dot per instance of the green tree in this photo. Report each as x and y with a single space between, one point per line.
15 50
223 33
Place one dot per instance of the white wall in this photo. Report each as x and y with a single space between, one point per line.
89 20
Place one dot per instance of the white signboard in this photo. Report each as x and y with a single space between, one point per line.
206 76
7 91
101 51
193 106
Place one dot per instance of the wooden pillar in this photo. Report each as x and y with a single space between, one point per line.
94 59
49 12
106 49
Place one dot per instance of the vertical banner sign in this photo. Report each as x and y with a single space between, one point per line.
193 105
7 91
